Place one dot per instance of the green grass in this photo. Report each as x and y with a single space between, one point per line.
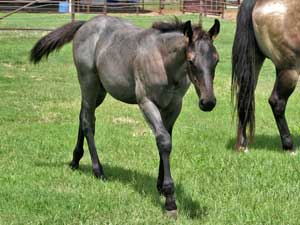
39 109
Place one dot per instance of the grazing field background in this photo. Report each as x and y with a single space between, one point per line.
39 107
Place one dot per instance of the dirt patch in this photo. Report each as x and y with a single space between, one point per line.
7 65
142 132
124 120
230 14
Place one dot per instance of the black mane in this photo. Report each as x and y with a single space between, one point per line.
164 27
176 25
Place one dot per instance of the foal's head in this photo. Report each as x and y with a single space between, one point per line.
202 58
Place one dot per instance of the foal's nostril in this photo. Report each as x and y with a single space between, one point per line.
207 105
202 102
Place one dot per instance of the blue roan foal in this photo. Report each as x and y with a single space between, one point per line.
149 67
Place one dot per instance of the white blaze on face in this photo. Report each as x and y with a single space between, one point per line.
276 7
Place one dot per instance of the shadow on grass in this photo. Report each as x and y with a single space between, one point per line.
144 185
271 143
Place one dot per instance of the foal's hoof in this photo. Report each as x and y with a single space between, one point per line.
74 165
159 189
170 204
172 213
100 175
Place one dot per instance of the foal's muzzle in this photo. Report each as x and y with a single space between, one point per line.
207 105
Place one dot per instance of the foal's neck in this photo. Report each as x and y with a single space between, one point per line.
173 49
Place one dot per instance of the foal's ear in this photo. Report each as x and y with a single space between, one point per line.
188 30
214 30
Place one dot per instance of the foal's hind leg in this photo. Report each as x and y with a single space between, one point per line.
285 84
93 95
78 151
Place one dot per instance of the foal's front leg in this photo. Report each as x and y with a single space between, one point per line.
164 145
169 116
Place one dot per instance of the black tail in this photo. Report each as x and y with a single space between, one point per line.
54 41
243 82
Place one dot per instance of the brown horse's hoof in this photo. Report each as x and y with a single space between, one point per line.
242 149
293 153
172 213
246 150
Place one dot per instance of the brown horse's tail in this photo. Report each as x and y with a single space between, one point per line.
243 82
54 41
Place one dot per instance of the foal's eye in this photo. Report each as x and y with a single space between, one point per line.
192 65
191 62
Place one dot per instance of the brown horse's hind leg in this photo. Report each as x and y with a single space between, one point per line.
242 142
285 84
93 95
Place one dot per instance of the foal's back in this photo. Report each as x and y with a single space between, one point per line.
277 30
97 33
108 47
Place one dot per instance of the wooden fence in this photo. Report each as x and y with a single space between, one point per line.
204 7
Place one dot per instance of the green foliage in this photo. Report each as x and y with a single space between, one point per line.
214 185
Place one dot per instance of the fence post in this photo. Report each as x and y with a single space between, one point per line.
137 7
223 8
72 3
105 7
180 6
160 6
70 7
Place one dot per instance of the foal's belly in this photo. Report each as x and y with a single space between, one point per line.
114 62
120 86
277 30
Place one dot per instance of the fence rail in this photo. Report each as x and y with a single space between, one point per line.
130 5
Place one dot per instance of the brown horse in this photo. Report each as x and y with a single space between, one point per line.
265 29
152 68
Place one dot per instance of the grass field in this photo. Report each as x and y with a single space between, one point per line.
39 109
